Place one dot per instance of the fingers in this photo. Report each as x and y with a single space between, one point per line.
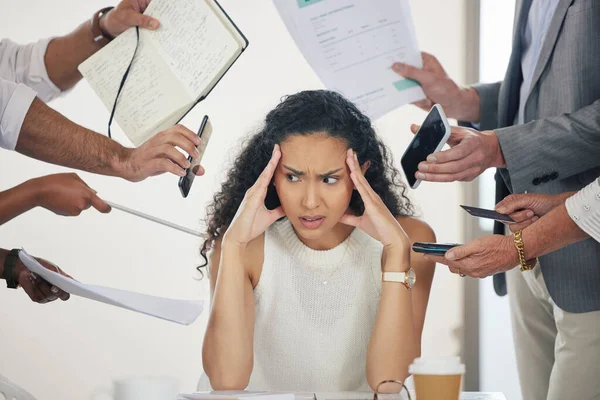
181 137
522 215
359 180
460 148
424 104
160 165
199 170
275 214
352 220
520 226
262 183
416 74
513 203
436 259
171 153
464 176
99 204
414 128
134 18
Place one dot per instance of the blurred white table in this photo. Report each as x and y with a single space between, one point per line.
329 395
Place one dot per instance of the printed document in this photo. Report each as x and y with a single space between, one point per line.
352 44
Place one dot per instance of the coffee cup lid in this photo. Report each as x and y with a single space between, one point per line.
437 366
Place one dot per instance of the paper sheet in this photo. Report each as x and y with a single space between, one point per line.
352 44
180 311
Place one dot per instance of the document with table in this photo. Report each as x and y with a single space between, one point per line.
352 44
180 311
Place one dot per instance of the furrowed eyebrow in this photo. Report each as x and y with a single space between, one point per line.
301 173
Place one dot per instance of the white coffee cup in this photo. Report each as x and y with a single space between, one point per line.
141 388
437 378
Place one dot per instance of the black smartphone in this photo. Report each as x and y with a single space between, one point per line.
430 138
490 214
435 249
185 182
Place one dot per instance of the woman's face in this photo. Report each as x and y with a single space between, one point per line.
313 183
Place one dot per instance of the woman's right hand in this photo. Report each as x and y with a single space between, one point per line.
252 217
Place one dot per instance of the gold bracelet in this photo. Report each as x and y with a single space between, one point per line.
525 265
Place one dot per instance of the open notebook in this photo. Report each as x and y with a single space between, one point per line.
174 67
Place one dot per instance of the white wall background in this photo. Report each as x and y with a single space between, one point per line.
65 350
497 363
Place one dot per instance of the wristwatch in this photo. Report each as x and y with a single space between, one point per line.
100 35
408 278
9 268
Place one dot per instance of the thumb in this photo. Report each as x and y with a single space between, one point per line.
457 134
99 204
352 220
275 214
514 202
134 18
414 128
457 253
408 71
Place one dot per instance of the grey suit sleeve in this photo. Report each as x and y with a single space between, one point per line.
568 144
488 105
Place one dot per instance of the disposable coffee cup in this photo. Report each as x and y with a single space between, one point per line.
437 378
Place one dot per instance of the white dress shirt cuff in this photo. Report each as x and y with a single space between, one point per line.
11 118
584 209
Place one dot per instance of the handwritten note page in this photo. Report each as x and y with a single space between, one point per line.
151 93
193 43
352 44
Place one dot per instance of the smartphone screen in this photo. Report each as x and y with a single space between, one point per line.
430 138
185 182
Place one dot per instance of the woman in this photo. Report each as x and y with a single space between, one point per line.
306 221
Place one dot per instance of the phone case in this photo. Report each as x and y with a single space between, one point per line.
185 182
440 110
437 249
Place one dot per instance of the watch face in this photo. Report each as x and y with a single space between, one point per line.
411 278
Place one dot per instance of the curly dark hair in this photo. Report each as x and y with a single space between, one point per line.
306 113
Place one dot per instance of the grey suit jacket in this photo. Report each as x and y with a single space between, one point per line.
558 148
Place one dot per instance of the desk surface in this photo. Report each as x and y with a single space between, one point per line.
330 395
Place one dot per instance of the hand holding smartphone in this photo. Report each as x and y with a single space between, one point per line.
185 182
430 138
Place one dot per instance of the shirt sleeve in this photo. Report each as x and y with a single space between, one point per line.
584 209
25 64
15 100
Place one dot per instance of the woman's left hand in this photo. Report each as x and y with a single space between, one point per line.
377 220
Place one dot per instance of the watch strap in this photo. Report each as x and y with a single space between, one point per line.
100 35
9 268
394 276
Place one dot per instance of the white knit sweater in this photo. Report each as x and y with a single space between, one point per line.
311 336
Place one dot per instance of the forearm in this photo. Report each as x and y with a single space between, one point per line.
393 343
48 136
18 200
227 353
551 232
64 54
